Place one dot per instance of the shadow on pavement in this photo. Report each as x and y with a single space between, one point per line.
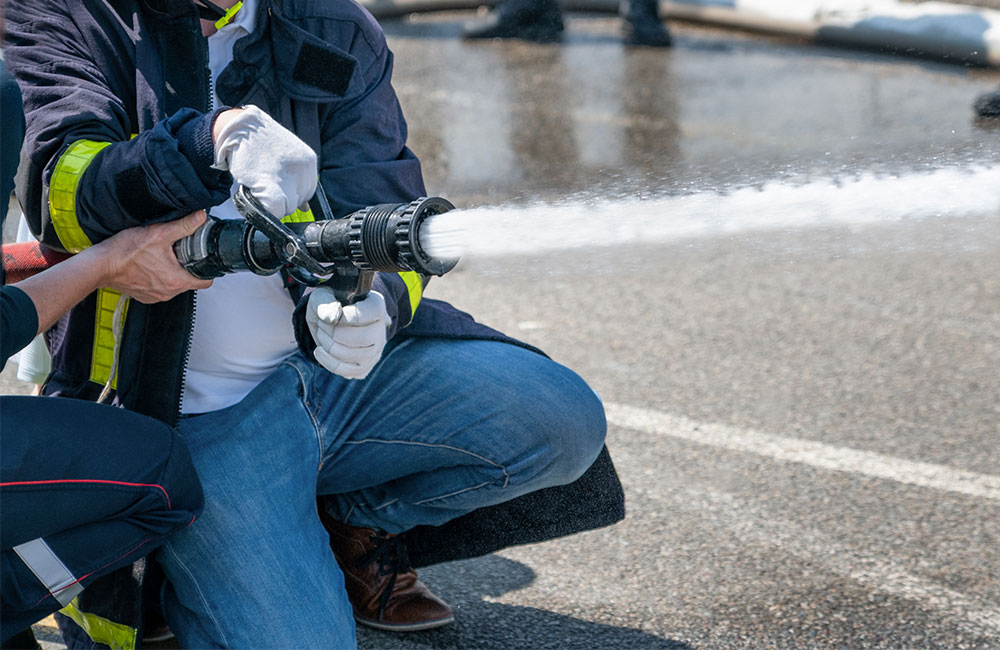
479 623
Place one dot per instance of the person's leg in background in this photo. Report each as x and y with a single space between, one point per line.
988 105
542 21
531 20
642 25
86 489
439 429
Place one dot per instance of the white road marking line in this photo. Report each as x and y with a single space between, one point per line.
808 452
873 572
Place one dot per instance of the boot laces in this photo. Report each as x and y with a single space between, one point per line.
389 551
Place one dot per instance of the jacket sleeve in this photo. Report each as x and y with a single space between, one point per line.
365 161
84 174
18 322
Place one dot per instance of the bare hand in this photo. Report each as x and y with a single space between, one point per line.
141 262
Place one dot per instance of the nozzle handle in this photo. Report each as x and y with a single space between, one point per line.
287 244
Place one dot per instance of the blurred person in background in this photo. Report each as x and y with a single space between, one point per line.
542 20
988 105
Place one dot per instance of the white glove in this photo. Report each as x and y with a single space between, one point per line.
349 340
34 363
276 166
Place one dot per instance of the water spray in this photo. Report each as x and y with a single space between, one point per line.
428 235
863 200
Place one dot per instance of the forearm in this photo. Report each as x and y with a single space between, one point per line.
61 287
138 262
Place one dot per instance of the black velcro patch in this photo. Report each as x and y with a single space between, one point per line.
133 192
324 69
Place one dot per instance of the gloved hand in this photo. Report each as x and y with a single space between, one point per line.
276 166
349 340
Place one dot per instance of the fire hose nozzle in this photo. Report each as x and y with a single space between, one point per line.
342 252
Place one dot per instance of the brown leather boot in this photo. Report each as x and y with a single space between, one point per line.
382 587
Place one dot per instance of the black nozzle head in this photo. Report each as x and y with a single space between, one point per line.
387 237
411 250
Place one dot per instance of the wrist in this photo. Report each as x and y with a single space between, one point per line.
89 268
195 141
97 263
221 121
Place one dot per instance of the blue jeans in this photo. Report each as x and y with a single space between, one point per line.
438 429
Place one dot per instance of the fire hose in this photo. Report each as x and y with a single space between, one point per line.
343 253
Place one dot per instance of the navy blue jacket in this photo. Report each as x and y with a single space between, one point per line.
18 322
133 73
18 317
12 132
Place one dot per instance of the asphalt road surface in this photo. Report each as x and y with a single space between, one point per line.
806 421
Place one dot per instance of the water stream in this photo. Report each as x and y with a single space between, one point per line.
866 199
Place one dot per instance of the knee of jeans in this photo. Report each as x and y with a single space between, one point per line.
591 428
575 433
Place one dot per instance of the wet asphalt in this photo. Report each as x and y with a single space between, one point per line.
882 340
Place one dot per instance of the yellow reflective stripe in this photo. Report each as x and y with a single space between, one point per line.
225 20
103 353
415 287
299 217
62 193
116 635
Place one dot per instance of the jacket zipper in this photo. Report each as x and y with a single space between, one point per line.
209 86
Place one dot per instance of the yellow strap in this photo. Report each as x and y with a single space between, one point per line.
225 20
116 635
299 217
415 287
62 193
103 354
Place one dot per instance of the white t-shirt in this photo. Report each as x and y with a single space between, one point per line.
243 322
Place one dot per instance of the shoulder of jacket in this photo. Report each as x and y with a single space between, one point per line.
78 8
51 10
311 13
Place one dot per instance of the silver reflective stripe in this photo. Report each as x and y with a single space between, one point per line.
48 568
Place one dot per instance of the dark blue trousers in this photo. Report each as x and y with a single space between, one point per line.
100 485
